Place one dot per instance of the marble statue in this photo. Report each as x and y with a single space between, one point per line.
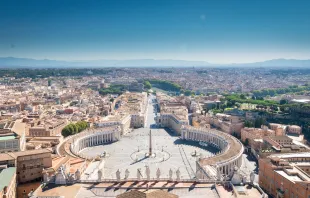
252 177
127 174
77 174
178 173
99 175
45 177
219 176
237 177
170 174
244 179
118 175
148 172
158 174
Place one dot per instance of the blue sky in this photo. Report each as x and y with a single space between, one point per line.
218 31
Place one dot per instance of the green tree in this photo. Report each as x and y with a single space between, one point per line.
147 85
259 122
71 128
187 93
66 132
246 142
283 101
248 123
223 106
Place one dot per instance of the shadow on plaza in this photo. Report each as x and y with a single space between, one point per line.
251 158
169 185
171 133
140 160
154 126
196 144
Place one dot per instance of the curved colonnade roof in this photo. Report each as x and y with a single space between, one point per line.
235 147
64 148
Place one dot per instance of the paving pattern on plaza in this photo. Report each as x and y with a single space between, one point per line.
129 153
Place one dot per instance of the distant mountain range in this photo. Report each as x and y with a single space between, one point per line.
12 62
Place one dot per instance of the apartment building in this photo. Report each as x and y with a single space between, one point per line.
293 129
29 164
282 144
9 140
43 128
250 134
172 116
285 175
129 112
283 129
227 123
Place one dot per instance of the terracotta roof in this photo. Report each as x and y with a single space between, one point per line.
29 152
147 194
160 194
5 157
19 127
132 194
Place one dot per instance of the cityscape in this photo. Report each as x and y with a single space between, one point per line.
158 99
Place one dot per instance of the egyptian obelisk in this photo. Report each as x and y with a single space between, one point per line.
150 144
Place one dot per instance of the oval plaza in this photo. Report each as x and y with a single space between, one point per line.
161 145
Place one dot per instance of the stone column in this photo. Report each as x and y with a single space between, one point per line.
226 168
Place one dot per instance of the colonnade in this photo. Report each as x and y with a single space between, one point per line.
94 139
206 136
229 157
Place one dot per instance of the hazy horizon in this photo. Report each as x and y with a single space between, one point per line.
132 59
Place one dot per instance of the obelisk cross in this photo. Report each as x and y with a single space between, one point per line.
150 145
